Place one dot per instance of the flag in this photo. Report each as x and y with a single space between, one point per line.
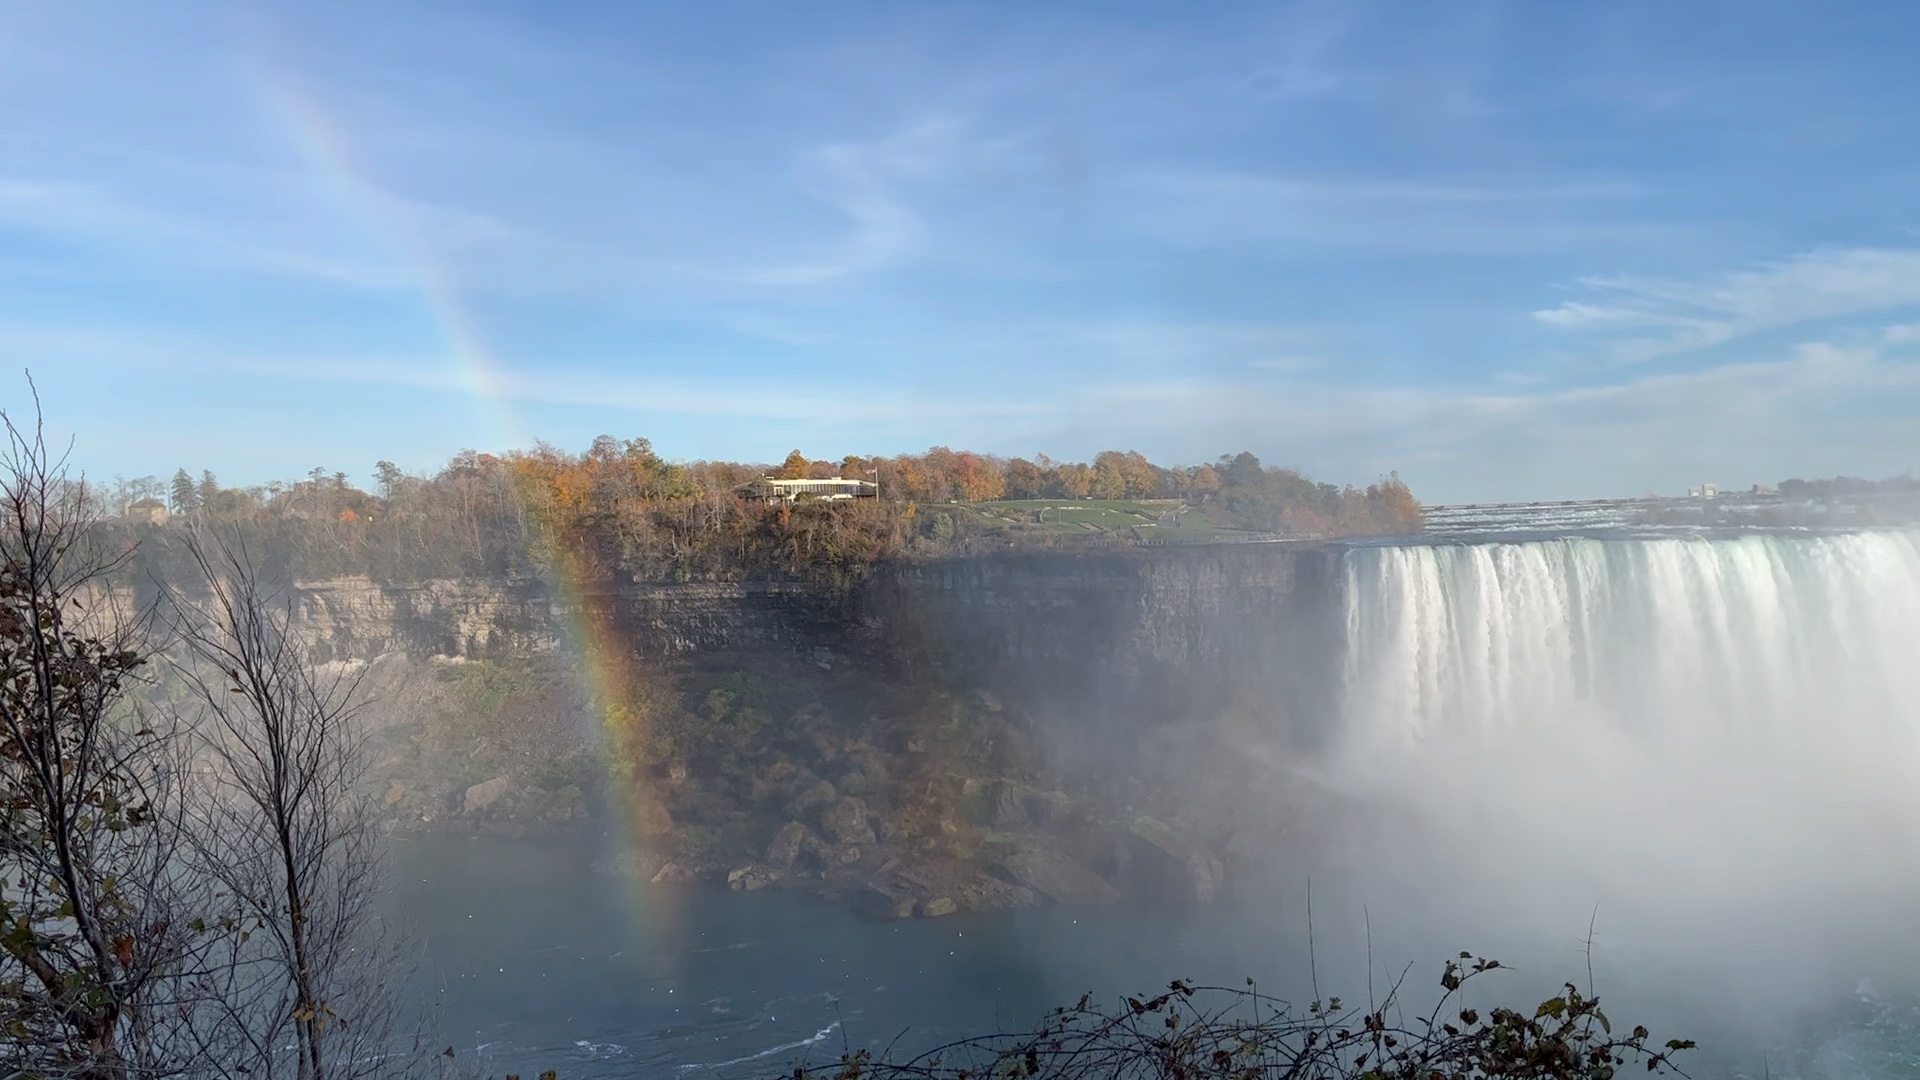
873 472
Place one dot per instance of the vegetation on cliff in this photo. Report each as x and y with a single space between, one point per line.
185 887
620 511
1216 1033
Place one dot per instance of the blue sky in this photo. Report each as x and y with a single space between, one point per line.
1510 249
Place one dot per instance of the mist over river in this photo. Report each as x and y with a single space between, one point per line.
1707 749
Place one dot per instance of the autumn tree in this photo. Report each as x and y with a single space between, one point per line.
1109 475
1024 480
1072 480
618 509
99 922
977 478
1203 483
1141 478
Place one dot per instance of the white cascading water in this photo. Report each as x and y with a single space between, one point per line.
1714 741
1760 636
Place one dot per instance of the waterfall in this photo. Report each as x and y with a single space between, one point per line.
1715 740
1756 637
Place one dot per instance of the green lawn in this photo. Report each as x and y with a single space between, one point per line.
1152 517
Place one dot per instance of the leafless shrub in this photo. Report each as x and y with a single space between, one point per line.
283 827
1192 1032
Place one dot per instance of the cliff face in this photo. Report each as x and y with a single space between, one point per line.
1019 711
356 619
1029 620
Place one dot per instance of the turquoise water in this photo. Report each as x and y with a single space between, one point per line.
533 960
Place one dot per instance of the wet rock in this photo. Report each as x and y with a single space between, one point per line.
937 906
1047 809
750 878
814 793
866 777
882 900
847 856
1056 876
1169 863
793 840
844 821
974 801
672 873
1007 809
485 794
985 892
772 781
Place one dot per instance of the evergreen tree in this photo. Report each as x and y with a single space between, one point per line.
389 477
186 498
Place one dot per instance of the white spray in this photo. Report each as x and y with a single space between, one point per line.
1714 741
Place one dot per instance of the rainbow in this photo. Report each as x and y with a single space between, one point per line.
606 663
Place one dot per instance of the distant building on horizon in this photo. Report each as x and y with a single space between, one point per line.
152 511
1704 491
771 490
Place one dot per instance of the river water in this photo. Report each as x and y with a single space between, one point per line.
535 960
1706 749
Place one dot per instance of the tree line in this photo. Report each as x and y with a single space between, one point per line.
620 510
187 862
1844 486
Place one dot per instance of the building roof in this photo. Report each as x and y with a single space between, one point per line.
802 484
787 489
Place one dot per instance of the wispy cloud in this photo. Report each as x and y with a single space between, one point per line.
1816 408
1645 318
1301 65
1430 216
1903 334
651 394
1738 422
1176 344
102 219
866 184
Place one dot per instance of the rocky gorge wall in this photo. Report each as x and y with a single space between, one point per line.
952 734
1107 622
